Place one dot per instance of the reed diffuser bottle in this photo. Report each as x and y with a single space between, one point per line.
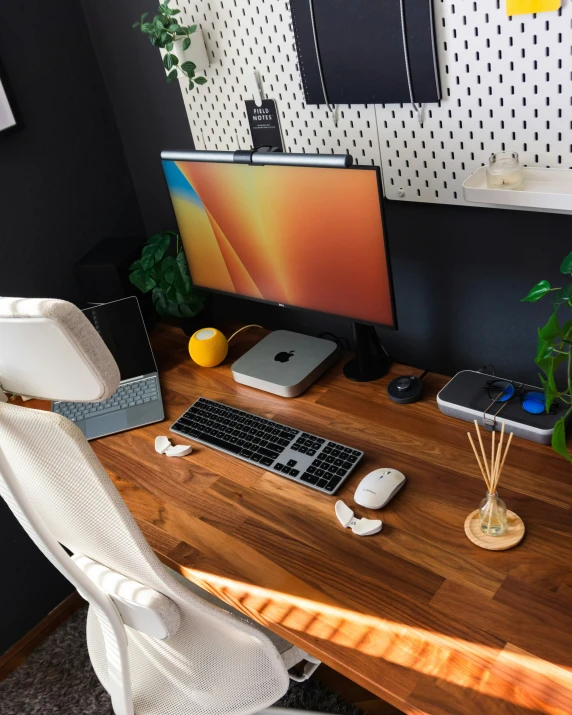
492 513
492 509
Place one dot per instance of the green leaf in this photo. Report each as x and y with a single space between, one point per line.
173 27
135 24
191 29
172 76
157 23
143 280
200 80
159 301
136 265
567 332
566 265
551 330
158 245
559 439
565 293
186 44
188 66
143 16
169 46
191 84
147 28
168 61
537 291
174 12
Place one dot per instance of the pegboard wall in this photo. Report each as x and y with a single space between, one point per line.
506 83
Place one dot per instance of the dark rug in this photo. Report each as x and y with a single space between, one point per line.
57 679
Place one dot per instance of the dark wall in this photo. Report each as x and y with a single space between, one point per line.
459 272
64 184
149 112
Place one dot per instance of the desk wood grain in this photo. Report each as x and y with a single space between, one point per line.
418 615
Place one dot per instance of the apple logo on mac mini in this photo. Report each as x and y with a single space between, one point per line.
284 356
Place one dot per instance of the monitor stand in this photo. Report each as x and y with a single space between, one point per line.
371 361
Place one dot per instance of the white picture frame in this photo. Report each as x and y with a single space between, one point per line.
8 116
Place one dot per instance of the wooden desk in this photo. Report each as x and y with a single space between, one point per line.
416 614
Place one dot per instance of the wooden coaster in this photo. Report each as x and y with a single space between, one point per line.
512 536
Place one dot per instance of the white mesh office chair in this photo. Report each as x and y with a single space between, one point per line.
156 646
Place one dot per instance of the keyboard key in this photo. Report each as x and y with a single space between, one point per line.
279 467
333 483
294 472
311 470
311 452
303 450
309 478
256 457
268 453
338 462
266 461
320 472
286 470
341 472
292 462
322 482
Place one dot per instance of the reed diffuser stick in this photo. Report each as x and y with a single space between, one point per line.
483 452
493 460
478 460
505 452
499 454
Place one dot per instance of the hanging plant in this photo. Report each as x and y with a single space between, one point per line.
167 34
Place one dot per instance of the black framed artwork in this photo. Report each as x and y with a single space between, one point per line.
8 114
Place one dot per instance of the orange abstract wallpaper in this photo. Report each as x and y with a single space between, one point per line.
306 237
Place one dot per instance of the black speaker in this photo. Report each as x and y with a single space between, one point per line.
102 274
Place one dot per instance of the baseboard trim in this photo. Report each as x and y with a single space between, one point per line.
18 653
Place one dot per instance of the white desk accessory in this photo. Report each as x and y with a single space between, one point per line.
377 488
163 445
361 527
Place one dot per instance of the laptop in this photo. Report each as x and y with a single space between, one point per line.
137 401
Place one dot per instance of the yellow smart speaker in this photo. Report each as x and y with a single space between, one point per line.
208 347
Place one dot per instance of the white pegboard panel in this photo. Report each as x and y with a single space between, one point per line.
506 83
246 35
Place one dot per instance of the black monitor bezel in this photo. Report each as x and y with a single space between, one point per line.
357 167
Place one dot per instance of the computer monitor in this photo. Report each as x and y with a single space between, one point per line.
297 236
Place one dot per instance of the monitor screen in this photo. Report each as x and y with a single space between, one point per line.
121 326
299 236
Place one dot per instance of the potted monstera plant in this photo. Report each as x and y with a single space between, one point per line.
162 270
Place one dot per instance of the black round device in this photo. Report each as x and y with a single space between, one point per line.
405 389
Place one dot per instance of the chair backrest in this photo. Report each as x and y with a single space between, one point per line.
60 493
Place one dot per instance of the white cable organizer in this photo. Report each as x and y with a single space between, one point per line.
505 84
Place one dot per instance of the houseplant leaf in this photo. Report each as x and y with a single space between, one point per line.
200 80
143 280
188 66
146 27
186 45
566 265
551 330
559 439
172 76
537 291
160 302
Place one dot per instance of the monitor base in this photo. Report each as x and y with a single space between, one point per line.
371 361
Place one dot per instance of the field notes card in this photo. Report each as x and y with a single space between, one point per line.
528 7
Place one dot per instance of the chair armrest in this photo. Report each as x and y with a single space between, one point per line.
142 608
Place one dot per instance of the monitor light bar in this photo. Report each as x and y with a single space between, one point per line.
256 158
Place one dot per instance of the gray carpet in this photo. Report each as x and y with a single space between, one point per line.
57 679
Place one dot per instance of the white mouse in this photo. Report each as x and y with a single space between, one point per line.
378 487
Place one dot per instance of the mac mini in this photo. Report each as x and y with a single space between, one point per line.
285 363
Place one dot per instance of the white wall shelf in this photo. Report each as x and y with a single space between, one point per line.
544 189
